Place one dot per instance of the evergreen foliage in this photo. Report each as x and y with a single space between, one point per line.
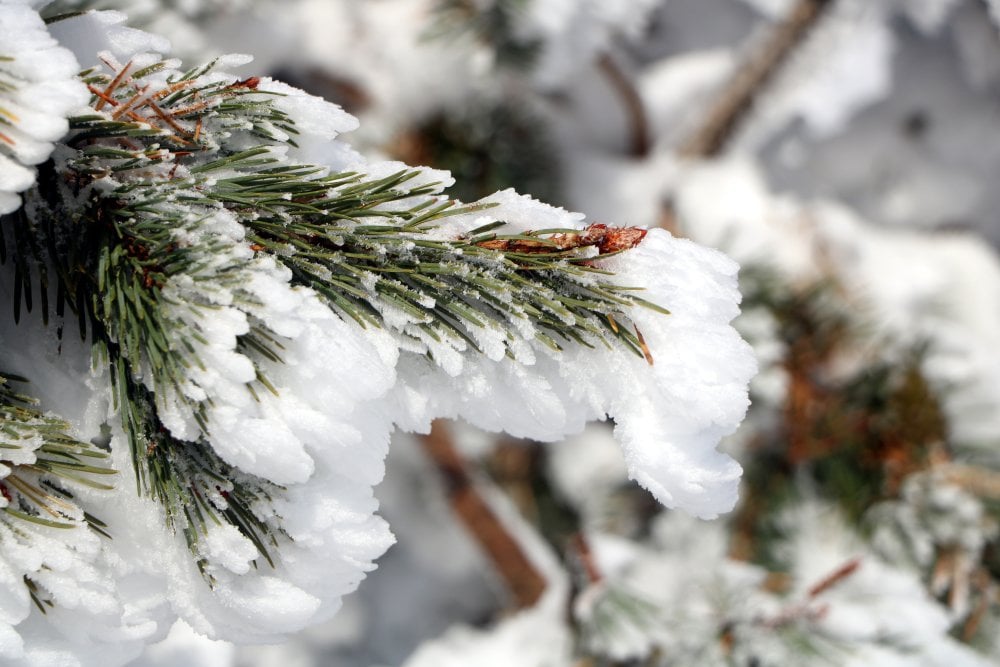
126 210
494 23
42 458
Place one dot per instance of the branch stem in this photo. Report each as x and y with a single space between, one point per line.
738 97
525 583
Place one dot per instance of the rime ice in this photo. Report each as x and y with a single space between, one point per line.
38 93
312 439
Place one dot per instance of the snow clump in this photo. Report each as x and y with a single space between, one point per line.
38 90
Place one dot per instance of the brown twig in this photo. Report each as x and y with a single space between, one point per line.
105 95
987 593
639 136
525 582
738 96
834 578
607 240
977 481
809 608
581 545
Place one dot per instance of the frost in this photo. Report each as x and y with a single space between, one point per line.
38 90
226 546
297 401
675 594
95 33
697 381
318 122
935 518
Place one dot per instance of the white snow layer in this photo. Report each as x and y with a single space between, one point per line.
844 65
941 289
38 89
340 392
92 622
679 593
669 415
534 637
573 32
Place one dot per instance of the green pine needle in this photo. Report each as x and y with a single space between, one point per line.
117 221
35 491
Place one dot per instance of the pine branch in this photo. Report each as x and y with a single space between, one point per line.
113 252
194 486
448 287
338 234
125 215
43 459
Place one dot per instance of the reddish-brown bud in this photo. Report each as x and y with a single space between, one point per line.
617 239
251 83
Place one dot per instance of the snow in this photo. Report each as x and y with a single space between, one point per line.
183 647
535 637
698 379
948 300
95 33
227 546
886 607
318 123
932 514
843 66
39 92
669 431
872 134
752 224
573 34
586 467
940 289
678 87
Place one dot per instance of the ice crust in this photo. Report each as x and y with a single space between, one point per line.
340 392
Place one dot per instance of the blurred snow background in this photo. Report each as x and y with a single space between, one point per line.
845 152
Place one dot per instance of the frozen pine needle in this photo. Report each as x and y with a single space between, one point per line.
247 309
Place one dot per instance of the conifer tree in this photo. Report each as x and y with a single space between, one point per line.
215 312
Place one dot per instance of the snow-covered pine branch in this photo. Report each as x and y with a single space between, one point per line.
239 309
